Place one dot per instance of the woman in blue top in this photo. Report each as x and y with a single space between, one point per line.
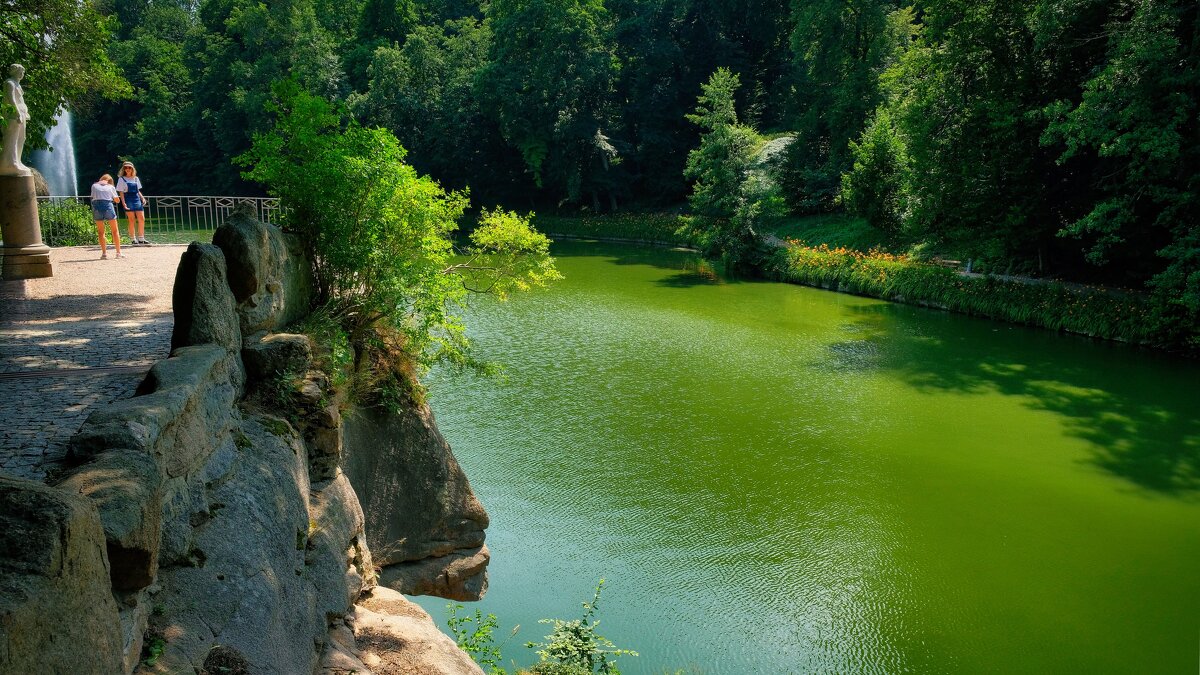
130 187
103 210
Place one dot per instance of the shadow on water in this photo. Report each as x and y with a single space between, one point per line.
692 268
1138 413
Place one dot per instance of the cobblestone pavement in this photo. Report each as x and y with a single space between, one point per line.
74 341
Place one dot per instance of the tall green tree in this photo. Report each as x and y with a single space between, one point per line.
385 264
840 49
1133 137
723 191
550 79
61 45
148 127
426 92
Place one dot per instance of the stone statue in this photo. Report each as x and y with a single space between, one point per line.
16 116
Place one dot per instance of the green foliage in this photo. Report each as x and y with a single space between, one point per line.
834 230
839 47
1083 310
333 354
426 93
66 223
61 45
549 668
876 187
1137 123
384 264
657 228
475 636
721 164
1052 137
549 78
577 644
727 191
505 254
154 647
381 257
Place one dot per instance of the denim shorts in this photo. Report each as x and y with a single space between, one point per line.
102 209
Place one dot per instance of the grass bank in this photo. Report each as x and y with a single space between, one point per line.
833 229
650 228
1076 309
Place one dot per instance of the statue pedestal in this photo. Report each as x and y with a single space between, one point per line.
23 255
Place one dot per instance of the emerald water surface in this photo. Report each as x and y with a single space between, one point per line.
777 479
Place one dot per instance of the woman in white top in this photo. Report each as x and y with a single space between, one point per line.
134 203
104 198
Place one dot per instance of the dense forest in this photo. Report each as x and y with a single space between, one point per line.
1053 137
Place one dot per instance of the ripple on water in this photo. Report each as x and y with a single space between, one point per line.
776 480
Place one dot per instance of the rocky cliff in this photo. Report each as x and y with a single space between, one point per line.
200 529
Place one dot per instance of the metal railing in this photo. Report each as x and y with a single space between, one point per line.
67 221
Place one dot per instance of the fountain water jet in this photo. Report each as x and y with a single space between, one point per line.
58 166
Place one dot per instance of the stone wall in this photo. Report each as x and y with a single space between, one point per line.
197 529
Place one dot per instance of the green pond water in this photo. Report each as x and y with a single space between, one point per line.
778 479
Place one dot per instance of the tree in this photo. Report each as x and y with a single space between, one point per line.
840 48
148 127
724 191
876 187
426 93
61 45
384 264
549 79
1134 134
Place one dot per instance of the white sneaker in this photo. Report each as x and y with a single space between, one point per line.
104 255
120 255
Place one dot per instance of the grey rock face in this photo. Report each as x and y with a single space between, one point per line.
244 560
125 485
52 583
459 575
268 273
418 502
203 304
266 356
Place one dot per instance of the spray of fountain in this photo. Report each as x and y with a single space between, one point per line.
59 166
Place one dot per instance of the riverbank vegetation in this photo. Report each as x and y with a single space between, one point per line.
1049 139
1072 308
573 647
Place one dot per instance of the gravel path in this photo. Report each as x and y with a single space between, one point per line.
74 341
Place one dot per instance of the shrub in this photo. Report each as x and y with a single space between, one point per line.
66 222
657 228
576 644
474 635
1077 309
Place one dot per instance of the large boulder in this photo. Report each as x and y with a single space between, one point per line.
458 575
267 356
269 273
57 614
418 502
125 485
185 413
202 302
